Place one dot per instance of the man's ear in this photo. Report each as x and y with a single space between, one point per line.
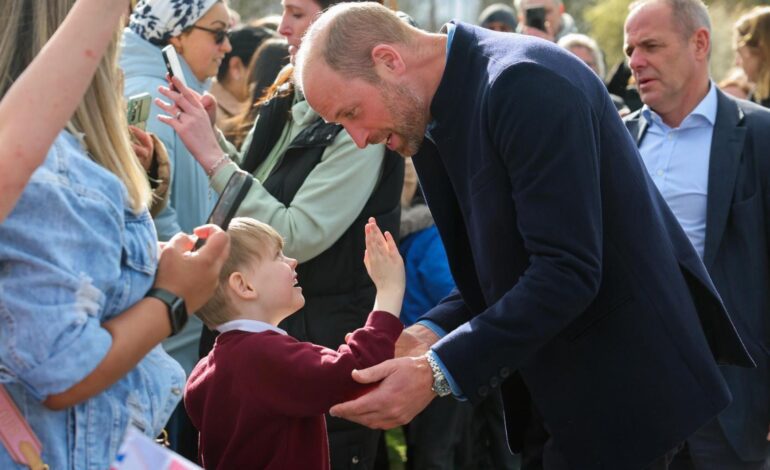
702 42
387 60
241 287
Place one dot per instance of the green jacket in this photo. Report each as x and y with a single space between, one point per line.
331 198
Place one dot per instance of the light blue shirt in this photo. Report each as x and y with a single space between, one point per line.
677 159
74 255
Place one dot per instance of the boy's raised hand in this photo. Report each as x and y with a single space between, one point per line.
385 267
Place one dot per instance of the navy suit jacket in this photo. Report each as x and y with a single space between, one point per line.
576 284
737 258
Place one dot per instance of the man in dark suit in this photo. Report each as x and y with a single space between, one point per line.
709 156
576 285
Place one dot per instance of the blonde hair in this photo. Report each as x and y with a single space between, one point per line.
753 30
250 242
25 27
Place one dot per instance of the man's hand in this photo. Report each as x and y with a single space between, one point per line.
415 341
405 390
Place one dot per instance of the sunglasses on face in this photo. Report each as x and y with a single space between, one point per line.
219 34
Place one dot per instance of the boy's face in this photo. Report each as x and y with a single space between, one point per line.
275 279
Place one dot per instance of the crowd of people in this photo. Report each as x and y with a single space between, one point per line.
478 234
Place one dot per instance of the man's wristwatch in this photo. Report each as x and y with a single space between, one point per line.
440 383
177 312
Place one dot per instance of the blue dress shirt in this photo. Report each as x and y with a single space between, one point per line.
677 159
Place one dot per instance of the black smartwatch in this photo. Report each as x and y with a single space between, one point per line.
177 312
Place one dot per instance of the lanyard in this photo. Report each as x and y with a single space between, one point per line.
17 437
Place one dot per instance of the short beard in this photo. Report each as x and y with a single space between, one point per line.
407 109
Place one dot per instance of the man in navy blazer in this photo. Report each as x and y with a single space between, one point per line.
576 285
709 155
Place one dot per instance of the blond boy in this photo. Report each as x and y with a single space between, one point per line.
259 397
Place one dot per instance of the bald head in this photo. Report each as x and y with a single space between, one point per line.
344 36
689 15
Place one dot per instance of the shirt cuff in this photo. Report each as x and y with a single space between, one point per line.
432 326
456 392
219 179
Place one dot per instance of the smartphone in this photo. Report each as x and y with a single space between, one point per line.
535 18
235 191
173 65
138 110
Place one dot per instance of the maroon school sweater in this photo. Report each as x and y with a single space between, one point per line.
258 399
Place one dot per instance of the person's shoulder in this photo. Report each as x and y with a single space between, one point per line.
257 349
751 110
264 343
532 80
138 56
754 117
426 236
68 165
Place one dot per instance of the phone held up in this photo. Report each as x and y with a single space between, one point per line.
535 18
229 200
173 65
138 110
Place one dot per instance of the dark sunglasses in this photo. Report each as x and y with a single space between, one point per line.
219 34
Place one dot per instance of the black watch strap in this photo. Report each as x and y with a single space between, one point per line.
177 311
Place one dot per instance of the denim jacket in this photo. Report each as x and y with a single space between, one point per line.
72 255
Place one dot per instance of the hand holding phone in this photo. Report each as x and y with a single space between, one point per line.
173 65
138 110
535 18
227 205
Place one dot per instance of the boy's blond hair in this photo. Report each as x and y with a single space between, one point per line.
250 242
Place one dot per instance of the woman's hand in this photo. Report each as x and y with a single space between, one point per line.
188 115
193 275
190 275
143 146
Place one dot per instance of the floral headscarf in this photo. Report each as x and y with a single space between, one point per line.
158 21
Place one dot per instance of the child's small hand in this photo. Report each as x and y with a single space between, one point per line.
385 267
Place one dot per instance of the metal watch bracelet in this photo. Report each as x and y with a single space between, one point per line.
440 383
